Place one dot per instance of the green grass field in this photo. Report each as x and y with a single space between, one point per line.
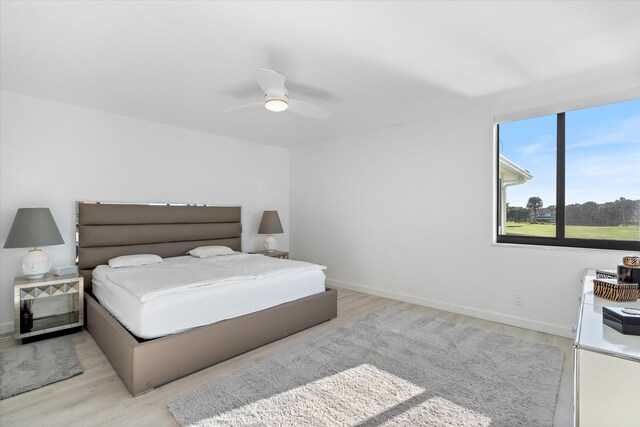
631 232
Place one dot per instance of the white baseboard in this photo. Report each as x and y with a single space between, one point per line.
507 319
6 328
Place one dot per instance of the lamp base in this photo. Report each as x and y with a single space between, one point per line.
35 264
270 243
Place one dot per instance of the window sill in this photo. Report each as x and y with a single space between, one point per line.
558 248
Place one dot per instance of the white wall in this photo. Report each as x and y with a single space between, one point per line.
406 212
53 154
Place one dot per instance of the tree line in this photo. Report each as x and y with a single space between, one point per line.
621 212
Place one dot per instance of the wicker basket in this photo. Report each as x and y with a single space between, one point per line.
614 291
631 261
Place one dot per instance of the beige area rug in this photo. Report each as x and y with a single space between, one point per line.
389 368
31 366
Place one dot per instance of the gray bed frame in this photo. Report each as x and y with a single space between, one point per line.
109 230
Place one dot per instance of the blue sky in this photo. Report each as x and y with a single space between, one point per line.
602 161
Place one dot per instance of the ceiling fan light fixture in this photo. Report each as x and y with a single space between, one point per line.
276 104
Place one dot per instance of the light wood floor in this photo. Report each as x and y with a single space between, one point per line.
98 397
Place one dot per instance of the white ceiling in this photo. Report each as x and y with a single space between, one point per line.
372 64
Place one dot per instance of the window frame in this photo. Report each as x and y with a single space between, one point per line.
560 240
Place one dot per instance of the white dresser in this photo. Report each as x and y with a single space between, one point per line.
607 366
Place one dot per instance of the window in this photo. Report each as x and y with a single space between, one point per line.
571 179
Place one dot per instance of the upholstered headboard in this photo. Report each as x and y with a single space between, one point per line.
109 230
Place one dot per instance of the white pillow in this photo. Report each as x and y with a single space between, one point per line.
134 260
208 251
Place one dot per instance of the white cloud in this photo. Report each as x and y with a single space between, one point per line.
622 169
623 132
531 149
542 144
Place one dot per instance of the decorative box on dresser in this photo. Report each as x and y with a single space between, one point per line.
607 366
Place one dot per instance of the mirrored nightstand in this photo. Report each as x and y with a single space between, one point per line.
274 254
28 318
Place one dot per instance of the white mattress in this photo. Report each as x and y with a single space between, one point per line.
170 313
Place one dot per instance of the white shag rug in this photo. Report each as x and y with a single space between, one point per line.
389 368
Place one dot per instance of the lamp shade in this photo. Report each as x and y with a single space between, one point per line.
270 223
33 227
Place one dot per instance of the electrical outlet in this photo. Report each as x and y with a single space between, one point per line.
518 299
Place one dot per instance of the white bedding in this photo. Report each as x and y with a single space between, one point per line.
150 311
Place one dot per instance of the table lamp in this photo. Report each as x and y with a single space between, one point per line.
270 225
34 227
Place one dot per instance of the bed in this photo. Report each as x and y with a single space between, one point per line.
106 231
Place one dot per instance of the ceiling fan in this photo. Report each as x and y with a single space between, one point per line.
277 99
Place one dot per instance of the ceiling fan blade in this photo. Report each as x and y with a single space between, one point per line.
308 109
240 107
241 90
271 81
309 90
